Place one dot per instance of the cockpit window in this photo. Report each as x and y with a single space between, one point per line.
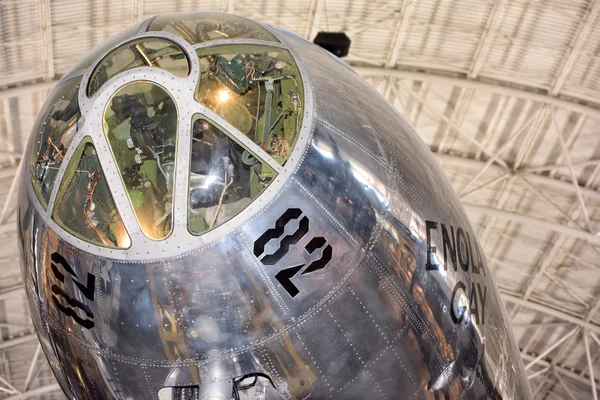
146 52
140 122
208 26
53 132
224 177
84 205
258 90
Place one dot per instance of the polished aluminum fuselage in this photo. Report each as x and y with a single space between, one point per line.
391 315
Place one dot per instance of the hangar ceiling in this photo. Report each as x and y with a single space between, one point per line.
506 93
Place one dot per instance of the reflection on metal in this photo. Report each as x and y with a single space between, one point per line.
344 268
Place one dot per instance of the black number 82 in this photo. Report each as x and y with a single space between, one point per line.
285 275
57 291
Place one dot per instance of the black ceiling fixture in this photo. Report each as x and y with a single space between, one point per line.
335 42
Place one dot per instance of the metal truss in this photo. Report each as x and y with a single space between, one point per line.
35 393
551 311
490 85
525 172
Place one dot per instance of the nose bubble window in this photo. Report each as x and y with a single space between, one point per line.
147 52
208 26
140 122
258 90
54 130
224 180
84 204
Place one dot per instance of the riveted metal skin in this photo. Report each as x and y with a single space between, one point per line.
353 294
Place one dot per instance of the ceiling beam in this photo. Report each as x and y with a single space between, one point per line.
400 31
8 228
550 311
546 181
550 348
567 156
228 6
31 337
561 370
35 393
514 135
11 193
542 168
492 85
590 364
137 11
46 35
31 372
11 292
26 89
9 133
486 38
450 122
579 40
8 172
563 384
314 18
539 223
